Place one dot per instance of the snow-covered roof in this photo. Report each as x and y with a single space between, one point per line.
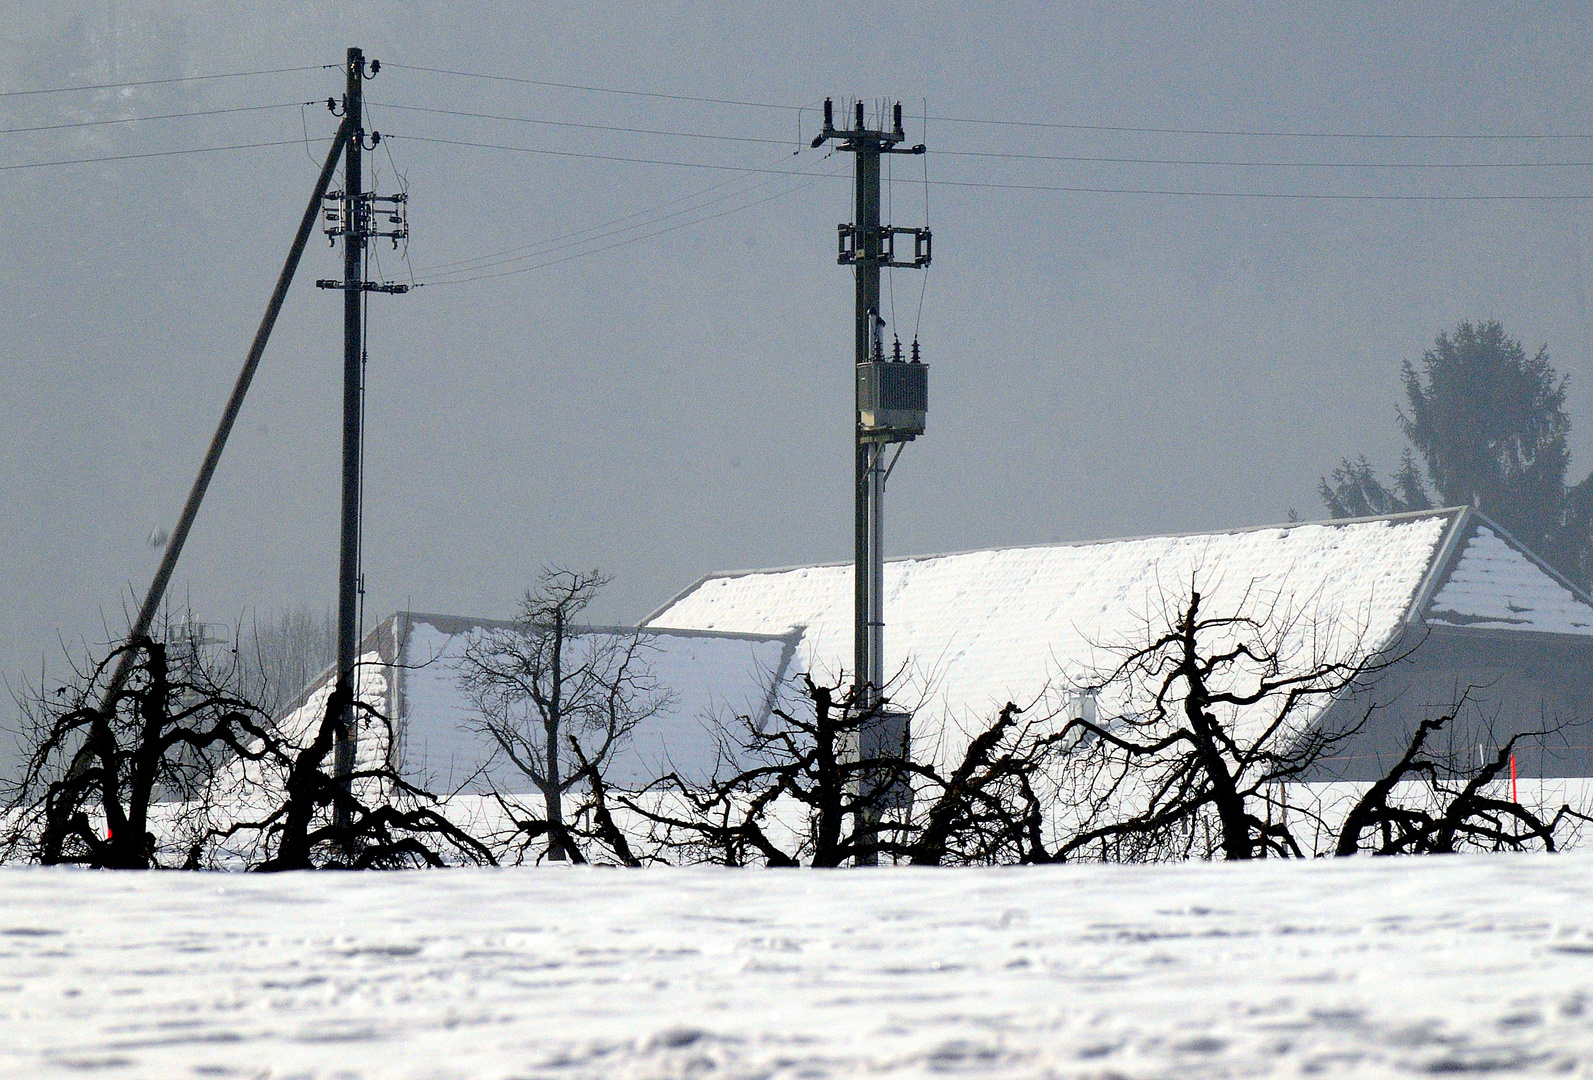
975 629
410 668
1497 585
705 676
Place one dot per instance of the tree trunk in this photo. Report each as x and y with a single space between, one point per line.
555 804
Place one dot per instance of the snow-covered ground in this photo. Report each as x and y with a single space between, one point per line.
1362 968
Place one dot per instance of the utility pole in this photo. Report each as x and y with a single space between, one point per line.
139 632
867 246
352 216
891 401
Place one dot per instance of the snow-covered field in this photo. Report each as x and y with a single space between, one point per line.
1360 968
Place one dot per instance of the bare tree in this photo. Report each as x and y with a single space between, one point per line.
557 698
94 768
370 819
810 789
1430 803
284 656
1219 711
161 773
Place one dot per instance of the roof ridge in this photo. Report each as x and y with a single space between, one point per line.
434 618
1408 515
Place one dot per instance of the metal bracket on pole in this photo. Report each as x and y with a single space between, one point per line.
390 287
847 254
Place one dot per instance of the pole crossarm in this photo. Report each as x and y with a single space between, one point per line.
885 243
392 287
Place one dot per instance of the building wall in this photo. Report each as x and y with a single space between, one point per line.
1495 683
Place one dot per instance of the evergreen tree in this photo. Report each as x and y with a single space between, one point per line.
1490 425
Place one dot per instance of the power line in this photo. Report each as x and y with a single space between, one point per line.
635 239
1256 133
589 127
652 214
162 82
595 157
162 116
1313 196
548 248
1021 157
153 154
1273 164
598 89
1066 189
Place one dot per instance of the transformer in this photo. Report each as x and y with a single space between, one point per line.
892 398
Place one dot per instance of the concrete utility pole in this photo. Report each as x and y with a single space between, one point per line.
352 218
891 403
892 398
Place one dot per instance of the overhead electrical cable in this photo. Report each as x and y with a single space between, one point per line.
597 157
636 239
1260 134
588 127
599 225
596 89
1311 196
163 82
1272 164
1067 189
1257 133
547 247
651 215
154 154
160 116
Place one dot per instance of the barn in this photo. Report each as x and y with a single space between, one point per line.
1479 625
410 668
1476 624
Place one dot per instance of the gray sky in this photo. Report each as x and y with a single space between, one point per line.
1104 364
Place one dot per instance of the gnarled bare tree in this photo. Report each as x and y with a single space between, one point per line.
1431 803
558 698
1218 710
96 767
180 762
811 788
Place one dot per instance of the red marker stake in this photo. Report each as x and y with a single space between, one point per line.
1513 796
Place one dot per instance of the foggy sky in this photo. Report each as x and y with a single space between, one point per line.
1103 364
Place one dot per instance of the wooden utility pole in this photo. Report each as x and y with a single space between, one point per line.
352 215
348 558
218 442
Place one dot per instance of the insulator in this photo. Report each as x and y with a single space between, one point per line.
915 351
860 114
896 350
829 114
898 118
